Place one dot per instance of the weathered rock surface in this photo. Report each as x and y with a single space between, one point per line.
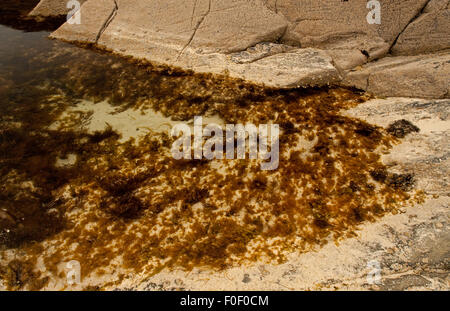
342 27
193 23
428 33
281 43
54 8
195 39
424 76
295 68
317 22
92 25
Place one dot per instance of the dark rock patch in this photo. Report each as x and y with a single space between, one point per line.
401 128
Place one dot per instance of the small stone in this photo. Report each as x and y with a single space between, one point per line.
401 128
246 278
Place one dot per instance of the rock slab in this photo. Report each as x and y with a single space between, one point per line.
281 43
424 76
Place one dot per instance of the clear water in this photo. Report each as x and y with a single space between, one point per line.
114 185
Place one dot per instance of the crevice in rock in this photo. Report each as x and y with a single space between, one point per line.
278 40
193 12
259 51
196 29
108 21
339 70
367 82
447 94
409 23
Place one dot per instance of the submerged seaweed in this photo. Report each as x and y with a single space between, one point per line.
130 207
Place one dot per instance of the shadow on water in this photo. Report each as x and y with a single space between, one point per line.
14 13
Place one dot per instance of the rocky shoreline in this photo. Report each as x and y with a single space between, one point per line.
281 44
291 55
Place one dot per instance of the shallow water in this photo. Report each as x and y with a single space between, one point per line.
77 184
16 52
